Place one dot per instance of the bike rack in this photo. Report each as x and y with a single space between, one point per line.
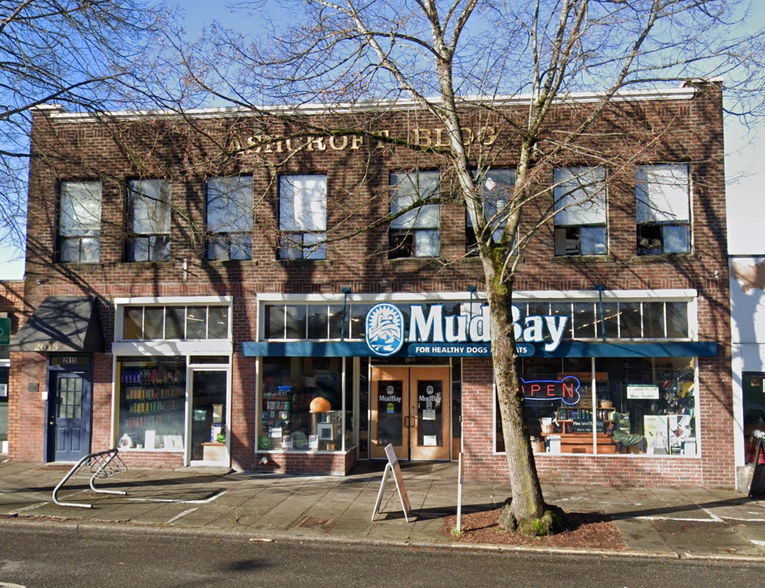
102 464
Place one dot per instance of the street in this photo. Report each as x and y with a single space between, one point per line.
46 557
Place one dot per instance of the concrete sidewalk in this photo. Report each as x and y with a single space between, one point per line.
670 523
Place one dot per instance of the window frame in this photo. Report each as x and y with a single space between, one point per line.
164 310
568 235
651 234
92 233
491 205
307 239
156 245
415 226
237 242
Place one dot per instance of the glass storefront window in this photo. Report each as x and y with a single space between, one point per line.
175 319
132 325
653 319
296 327
358 316
584 320
677 320
152 323
651 404
291 386
217 322
629 320
610 322
196 322
274 321
754 412
640 405
318 321
152 401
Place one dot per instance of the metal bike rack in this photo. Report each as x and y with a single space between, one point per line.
102 464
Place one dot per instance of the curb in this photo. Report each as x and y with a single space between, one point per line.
276 536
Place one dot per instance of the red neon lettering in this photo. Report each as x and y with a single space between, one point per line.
551 390
568 389
535 388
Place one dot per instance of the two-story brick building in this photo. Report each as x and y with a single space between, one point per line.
11 316
217 289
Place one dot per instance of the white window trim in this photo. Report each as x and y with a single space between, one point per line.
674 295
161 346
521 295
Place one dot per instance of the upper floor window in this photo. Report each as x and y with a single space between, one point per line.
79 226
579 198
148 206
663 211
416 232
303 216
496 189
229 218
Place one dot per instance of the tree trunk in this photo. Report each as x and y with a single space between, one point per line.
526 511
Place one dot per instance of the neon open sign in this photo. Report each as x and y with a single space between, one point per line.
565 389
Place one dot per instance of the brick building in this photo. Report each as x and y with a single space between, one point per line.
11 316
215 289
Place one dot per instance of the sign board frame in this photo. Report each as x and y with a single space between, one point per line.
394 467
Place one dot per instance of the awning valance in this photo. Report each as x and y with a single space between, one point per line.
62 324
566 349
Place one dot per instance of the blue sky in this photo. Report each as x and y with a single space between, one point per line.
744 148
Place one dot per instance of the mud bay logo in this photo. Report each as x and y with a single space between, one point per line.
384 329
433 333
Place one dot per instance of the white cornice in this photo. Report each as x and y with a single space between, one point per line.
56 112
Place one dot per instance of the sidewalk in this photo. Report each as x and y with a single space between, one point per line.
670 523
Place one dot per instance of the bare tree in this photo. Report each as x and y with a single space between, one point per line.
81 54
438 55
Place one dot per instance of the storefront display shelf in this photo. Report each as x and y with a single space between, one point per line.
582 442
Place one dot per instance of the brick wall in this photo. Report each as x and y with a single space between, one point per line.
645 131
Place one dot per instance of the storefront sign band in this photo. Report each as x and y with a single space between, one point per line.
566 349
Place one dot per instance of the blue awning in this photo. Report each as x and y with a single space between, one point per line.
566 349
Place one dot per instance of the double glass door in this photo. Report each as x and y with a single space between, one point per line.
410 410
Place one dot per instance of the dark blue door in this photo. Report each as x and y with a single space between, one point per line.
69 418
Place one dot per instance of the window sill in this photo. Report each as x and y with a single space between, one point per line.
439 260
583 259
664 257
228 262
301 261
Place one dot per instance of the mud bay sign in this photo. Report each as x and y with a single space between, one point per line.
436 334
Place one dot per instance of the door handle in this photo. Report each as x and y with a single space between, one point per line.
406 421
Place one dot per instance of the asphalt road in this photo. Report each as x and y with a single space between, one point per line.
49 557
